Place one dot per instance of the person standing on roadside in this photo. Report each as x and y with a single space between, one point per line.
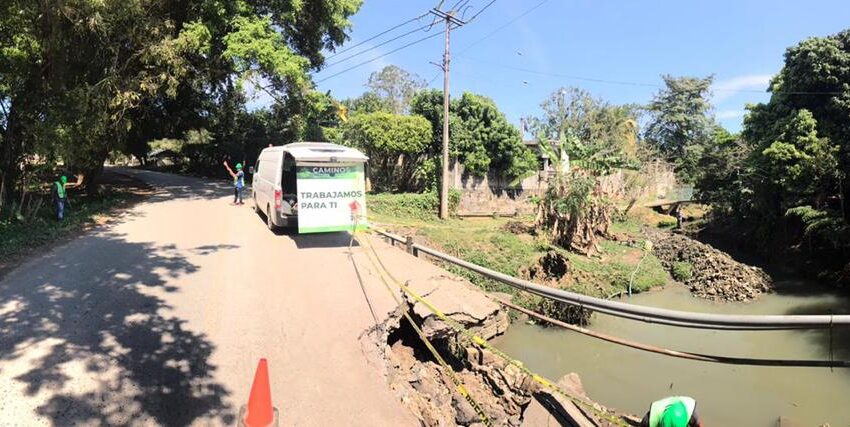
60 197
238 182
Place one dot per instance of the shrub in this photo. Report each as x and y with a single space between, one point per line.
411 205
667 223
682 271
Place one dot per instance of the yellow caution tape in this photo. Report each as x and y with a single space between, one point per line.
481 342
446 368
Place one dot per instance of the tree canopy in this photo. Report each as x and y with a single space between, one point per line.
680 122
395 145
576 127
84 78
481 137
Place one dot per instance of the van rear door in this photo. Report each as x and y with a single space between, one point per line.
331 196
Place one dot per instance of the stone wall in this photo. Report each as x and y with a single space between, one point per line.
492 194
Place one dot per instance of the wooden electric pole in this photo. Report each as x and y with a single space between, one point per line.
450 20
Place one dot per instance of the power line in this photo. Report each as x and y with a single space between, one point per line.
480 11
376 46
632 83
377 35
432 79
378 57
503 26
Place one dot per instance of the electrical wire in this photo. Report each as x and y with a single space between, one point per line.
376 36
378 57
632 83
503 26
480 11
354 55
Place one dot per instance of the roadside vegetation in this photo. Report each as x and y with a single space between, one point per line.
511 246
138 83
28 228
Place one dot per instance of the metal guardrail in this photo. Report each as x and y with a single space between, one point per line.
637 312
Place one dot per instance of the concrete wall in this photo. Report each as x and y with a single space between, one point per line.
493 194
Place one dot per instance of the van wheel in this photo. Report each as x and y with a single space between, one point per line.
269 220
256 206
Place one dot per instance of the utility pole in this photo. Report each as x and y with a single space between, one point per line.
450 20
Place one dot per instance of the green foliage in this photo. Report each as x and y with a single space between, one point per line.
369 102
394 145
680 126
667 223
128 72
578 129
490 141
480 136
821 227
783 179
682 270
723 172
18 237
395 87
423 206
254 45
611 273
575 213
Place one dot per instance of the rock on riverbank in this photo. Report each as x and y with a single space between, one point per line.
714 274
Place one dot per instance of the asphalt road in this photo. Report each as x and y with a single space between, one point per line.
161 317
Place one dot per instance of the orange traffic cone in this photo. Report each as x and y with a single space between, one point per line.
259 412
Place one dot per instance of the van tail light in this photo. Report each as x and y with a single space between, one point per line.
278 199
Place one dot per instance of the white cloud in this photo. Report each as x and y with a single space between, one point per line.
727 88
730 114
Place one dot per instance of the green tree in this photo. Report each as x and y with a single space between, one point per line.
680 123
395 145
117 65
725 175
396 87
490 141
480 136
577 128
366 103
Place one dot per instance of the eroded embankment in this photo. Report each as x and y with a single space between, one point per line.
505 393
708 272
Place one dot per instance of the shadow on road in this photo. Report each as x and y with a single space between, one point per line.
170 186
130 361
341 239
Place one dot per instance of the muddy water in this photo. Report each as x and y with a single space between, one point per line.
727 395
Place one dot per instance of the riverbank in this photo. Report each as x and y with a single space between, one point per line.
627 379
21 238
512 246
458 320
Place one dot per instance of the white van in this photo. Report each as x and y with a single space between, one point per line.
332 181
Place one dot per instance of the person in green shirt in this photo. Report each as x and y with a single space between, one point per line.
60 197
238 182
676 411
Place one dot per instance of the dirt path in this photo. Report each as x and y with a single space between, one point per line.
160 318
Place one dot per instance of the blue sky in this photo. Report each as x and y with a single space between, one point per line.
630 42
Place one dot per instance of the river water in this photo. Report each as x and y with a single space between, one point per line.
727 395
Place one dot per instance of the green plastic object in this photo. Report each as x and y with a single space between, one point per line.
676 415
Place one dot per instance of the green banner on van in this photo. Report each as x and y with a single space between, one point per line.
331 198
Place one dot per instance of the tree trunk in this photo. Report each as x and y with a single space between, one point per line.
11 153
